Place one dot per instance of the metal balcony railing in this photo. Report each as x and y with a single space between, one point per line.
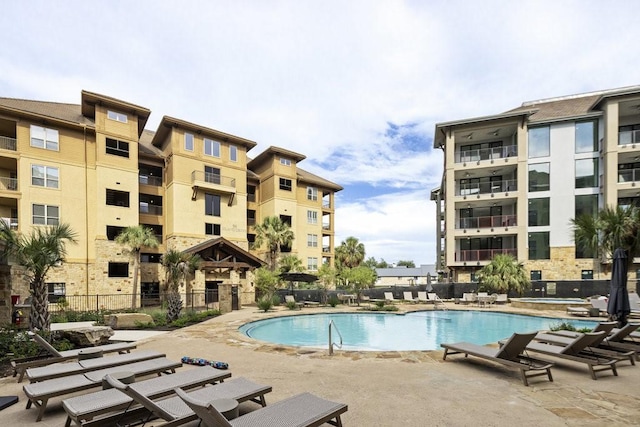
629 175
212 178
7 183
484 254
629 137
146 208
464 156
8 143
156 181
326 205
326 249
488 221
473 188
11 222
326 226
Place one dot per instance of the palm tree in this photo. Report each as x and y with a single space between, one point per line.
350 253
290 263
611 228
37 252
177 266
503 274
274 233
135 238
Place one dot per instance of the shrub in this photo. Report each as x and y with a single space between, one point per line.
275 300
265 303
379 304
562 326
333 301
382 308
291 305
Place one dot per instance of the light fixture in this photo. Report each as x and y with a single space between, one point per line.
493 172
495 132
466 174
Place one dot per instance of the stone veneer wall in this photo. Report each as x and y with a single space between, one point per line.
563 265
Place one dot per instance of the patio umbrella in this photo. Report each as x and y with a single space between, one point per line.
292 276
618 306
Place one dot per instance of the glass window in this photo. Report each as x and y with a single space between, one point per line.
211 147
539 142
119 117
212 204
539 177
233 153
587 274
44 138
312 193
312 263
151 258
188 142
312 217
117 148
56 291
44 176
536 274
587 173
285 162
586 140
538 212
212 229
285 184
113 231
539 245
212 175
118 198
312 240
45 215
118 269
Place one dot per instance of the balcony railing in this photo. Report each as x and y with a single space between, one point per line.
326 205
488 221
146 208
484 254
326 226
629 175
486 154
251 197
629 137
8 143
7 183
326 249
251 222
156 181
11 222
212 178
473 188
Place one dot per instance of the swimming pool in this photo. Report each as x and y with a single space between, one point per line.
422 330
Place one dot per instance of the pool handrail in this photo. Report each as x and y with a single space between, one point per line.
331 343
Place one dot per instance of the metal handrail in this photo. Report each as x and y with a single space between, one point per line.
331 343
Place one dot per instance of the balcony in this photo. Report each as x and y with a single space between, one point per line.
629 137
155 181
146 208
486 154
326 249
8 143
213 182
484 254
488 221
326 226
628 175
476 188
11 222
8 184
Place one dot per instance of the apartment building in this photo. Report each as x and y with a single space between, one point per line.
94 166
512 182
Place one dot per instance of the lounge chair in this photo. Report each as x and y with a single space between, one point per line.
469 298
71 368
54 356
87 407
510 354
174 410
388 297
39 393
598 303
303 410
407 296
617 338
502 299
574 351
423 298
291 299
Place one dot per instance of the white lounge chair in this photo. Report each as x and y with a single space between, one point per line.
407 296
423 298
388 297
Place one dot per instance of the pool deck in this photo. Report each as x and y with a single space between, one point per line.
391 388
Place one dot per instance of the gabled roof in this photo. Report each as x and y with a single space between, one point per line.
562 108
91 99
304 176
167 123
69 113
274 151
221 253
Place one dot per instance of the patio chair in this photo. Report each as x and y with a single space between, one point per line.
574 351
388 297
291 299
88 406
423 298
509 354
39 393
174 410
407 296
600 304
20 366
300 410
71 368
469 298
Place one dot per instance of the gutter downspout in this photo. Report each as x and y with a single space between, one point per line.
86 212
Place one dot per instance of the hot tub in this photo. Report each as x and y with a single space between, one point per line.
549 303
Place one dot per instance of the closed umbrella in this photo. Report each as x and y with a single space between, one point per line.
618 306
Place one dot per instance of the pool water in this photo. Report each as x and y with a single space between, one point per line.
423 330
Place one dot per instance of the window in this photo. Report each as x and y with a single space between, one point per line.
188 142
539 177
285 162
586 140
212 175
538 212
312 264
211 147
286 219
587 173
56 290
312 193
587 274
211 204
285 184
251 217
118 269
44 138
118 117
45 215
233 153
151 258
117 148
586 205
150 175
212 229
157 230
539 142
312 217
113 231
150 204
536 274
44 176
251 193
312 240
118 198
539 245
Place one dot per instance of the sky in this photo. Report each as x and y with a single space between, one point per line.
356 86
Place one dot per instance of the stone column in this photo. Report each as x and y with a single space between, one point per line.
224 297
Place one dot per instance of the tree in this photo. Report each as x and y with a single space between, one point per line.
135 238
408 264
503 274
177 266
358 279
37 253
327 276
290 263
350 253
275 234
609 229
267 281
